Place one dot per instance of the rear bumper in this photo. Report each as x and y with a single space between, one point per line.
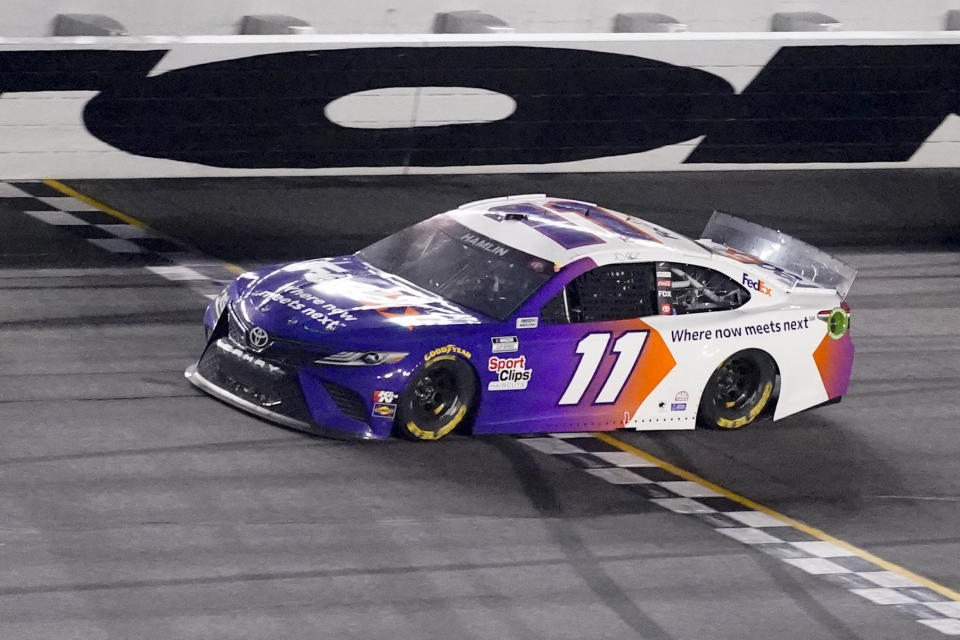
273 393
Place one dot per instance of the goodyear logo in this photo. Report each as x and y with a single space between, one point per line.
447 350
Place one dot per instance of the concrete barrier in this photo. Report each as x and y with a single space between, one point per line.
86 24
320 105
274 24
220 17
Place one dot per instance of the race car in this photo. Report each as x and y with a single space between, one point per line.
531 313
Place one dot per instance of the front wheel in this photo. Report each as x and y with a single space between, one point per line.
437 399
738 391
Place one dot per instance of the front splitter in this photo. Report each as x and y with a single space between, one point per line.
197 380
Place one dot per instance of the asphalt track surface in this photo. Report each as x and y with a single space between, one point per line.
135 507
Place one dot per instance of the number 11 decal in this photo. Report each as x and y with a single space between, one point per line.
592 348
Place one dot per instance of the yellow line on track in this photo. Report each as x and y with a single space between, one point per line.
121 216
796 524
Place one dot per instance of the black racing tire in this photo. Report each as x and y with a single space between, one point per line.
738 391
437 399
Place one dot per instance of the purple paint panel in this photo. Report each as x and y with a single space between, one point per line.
551 225
522 207
603 218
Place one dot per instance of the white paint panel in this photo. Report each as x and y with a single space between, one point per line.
748 535
755 519
946 626
10 191
67 203
823 549
58 218
460 105
884 596
622 459
414 16
683 505
178 273
42 108
591 348
128 231
888 579
951 609
551 446
421 107
374 109
689 489
116 245
618 475
816 566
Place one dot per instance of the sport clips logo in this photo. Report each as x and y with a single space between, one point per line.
512 373
756 285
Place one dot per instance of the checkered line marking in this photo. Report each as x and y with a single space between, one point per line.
170 259
755 529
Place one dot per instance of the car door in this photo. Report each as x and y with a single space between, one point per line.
577 369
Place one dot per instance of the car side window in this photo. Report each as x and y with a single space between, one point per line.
610 292
687 288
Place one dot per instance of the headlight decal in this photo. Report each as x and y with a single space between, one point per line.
362 358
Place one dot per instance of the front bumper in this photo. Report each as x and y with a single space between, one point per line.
274 392
220 393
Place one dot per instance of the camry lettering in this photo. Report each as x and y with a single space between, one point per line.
253 361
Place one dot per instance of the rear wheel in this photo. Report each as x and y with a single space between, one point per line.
738 391
437 399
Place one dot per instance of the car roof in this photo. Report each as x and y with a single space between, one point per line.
563 230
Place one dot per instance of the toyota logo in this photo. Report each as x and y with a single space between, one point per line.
258 338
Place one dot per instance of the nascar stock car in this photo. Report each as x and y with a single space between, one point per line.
528 314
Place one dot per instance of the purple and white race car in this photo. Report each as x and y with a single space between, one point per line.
529 314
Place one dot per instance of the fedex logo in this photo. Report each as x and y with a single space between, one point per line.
756 285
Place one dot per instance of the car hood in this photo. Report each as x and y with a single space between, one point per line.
331 296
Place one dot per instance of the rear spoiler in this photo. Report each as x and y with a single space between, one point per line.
785 253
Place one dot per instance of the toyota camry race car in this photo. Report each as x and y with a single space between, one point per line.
531 313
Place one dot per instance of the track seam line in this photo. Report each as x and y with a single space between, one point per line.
757 526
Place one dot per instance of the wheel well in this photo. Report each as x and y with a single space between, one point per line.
468 420
771 406
466 425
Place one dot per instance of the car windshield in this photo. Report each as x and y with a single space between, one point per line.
466 267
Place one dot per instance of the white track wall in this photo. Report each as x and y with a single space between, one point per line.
222 17
319 105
